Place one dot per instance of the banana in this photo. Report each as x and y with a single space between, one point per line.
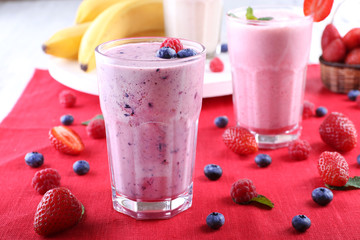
65 43
124 19
88 10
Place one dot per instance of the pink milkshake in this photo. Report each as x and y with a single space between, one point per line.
151 108
269 60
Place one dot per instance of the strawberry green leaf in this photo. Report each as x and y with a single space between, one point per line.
263 200
352 183
99 116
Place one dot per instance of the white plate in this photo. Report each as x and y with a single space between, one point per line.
69 74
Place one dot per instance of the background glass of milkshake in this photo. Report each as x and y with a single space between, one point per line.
151 108
197 20
268 63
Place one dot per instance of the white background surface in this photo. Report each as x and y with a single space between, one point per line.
26 24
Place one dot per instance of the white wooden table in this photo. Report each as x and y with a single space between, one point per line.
26 24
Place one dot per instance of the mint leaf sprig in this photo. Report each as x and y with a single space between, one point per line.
99 116
352 183
263 200
250 15
258 199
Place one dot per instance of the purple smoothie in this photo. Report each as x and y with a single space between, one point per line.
151 107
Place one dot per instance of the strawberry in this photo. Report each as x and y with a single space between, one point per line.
353 57
216 65
330 33
173 43
240 140
57 211
320 9
66 140
96 128
338 132
335 51
352 39
333 169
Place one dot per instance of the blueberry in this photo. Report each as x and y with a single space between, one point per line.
301 223
322 196
67 119
221 121
187 52
215 220
263 160
34 159
321 111
81 167
213 171
166 52
224 47
358 159
352 94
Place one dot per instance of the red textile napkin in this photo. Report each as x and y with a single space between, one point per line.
286 182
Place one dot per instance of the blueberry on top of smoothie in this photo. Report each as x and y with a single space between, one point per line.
187 52
166 52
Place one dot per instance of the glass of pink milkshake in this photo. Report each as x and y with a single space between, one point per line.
197 20
151 108
268 62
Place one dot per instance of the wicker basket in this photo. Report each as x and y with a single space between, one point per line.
340 77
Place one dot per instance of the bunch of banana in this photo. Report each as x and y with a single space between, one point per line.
66 42
101 21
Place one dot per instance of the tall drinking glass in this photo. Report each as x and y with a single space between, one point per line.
151 108
268 63
197 20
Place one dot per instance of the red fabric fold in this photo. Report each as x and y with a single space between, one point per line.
286 182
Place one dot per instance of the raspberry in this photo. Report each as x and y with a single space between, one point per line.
308 110
243 191
173 43
335 51
67 98
96 128
216 65
240 140
45 180
299 149
353 57
333 169
338 132
330 33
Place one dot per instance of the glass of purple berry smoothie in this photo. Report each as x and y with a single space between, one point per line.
151 107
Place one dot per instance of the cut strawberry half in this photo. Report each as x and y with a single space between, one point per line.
320 9
66 140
